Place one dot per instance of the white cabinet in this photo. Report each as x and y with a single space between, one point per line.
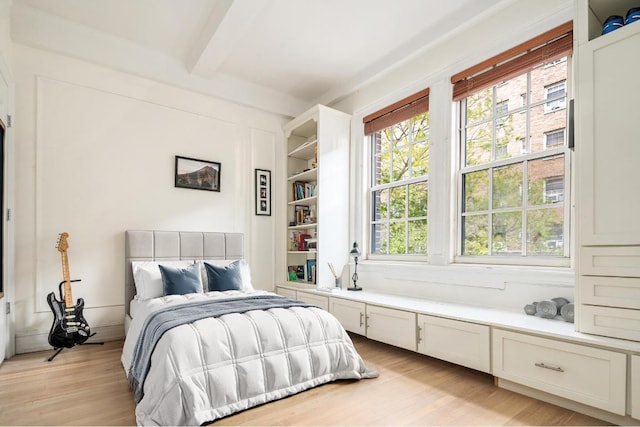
317 165
587 375
635 387
391 326
388 325
607 153
308 297
351 314
463 343
315 299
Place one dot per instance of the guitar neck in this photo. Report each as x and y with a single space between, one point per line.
68 298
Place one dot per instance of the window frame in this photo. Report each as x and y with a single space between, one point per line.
460 170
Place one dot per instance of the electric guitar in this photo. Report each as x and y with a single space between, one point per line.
69 326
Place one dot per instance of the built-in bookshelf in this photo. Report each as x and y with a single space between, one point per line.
317 165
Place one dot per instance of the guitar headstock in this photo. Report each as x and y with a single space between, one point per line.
62 243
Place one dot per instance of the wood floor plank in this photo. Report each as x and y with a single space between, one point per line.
87 385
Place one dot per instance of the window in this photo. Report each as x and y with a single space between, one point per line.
555 93
513 164
553 139
399 177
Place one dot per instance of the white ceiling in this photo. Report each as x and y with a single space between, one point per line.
278 55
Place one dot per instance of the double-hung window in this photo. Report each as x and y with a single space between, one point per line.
399 146
513 163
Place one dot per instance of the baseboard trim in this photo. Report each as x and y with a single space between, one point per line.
568 404
28 343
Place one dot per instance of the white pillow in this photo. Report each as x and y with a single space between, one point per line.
245 272
147 277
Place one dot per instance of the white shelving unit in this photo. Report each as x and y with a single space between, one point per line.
317 185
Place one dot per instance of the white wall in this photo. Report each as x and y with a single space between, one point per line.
95 157
433 67
6 108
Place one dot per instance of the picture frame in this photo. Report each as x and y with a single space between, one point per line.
263 192
197 174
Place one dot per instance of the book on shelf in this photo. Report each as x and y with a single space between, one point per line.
295 272
302 242
303 190
311 271
303 213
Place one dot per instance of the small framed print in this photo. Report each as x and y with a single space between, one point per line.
197 174
263 192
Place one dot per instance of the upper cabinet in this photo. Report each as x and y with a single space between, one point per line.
607 108
317 209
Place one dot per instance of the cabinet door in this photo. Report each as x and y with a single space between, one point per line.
463 343
635 387
349 313
395 327
607 148
289 293
319 300
587 375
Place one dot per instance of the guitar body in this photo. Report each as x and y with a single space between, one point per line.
69 326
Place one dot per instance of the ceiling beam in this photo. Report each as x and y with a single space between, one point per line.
228 22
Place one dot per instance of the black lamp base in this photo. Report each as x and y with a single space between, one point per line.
354 288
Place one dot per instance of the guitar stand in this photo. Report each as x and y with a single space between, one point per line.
58 350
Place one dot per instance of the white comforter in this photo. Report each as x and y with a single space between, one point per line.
217 366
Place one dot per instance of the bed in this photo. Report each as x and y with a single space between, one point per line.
194 355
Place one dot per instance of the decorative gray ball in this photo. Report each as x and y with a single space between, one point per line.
547 309
567 312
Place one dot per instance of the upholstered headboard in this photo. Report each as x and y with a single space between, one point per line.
143 245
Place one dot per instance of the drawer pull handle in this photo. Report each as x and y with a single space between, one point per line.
361 322
553 368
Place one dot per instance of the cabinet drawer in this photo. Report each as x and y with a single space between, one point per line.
621 261
635 387
588 375
349 313
463 343
395 327
289 293
610 322
319 300
610 291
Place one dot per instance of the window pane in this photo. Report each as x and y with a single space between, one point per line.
382 169
476 191
401 163
509 94
418 200
554 139
546 181
397 238
401 133
475 235
398 202
478 144
421 127
480 106
381 141
380 200
507 186
419 159
417 237
545 231
510 135
379 239
543 76
543 122
507 233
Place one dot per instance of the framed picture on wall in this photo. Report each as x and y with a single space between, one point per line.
197 174
263 192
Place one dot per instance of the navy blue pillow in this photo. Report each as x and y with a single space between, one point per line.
180 281
224 278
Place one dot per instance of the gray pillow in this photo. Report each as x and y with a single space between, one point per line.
180 280
224 278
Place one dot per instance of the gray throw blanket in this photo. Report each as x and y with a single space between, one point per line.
164 319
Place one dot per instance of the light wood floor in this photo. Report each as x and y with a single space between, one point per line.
87 386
